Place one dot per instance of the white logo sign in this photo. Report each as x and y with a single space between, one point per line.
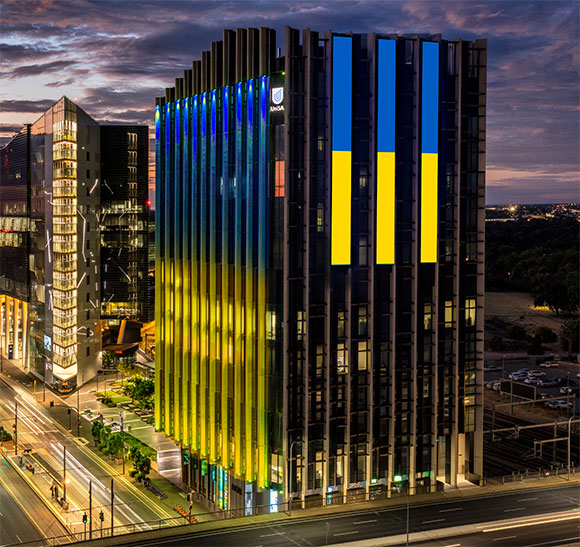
277 95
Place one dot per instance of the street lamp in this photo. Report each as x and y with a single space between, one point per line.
569 432
400 488
290 478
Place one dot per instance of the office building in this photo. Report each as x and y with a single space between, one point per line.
319 287
51 222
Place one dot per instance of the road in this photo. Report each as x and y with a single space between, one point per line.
342 528
47 440
20 508
544 535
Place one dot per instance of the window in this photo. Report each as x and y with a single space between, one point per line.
88 156
88 315
300 326
363 245
88 279
320 217
363 355
362 321
88 297
448 314
88 173
470 312
341 322
319 360
341 359
88 351
428 317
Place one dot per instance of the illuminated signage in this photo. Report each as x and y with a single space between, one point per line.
277 99
47 343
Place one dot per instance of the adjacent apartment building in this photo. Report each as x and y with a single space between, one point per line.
73 241
320 266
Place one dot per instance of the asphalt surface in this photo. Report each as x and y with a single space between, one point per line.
37 431
544 535
328 530
21 510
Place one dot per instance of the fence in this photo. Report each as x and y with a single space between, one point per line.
534 474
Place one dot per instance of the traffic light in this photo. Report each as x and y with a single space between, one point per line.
85 518
102 516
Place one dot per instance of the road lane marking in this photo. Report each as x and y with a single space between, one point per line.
430 521
447 510
453 545
528 499
18 538
505 537
346 533
274 534
364 521
514 509
532 521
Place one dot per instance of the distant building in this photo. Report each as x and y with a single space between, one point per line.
58 229
320 241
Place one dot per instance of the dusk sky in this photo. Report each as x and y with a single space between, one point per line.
113 57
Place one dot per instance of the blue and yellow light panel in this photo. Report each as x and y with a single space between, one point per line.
429 149
385 250
340 218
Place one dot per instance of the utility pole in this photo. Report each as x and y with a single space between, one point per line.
122 440
16 428
112 504
90 509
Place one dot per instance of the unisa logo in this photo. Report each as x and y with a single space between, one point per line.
277 95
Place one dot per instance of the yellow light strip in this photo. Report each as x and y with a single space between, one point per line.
341 207
429 168
386 208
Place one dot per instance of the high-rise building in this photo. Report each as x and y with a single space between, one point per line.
319 287
53 216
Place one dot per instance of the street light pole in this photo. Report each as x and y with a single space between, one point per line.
569 434
78 414
290 478
90 509
404 490
64 473
16 428
112 502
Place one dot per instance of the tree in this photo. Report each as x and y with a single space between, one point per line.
546 335
516 332
104 435
96 430
141 463
569 335
115 445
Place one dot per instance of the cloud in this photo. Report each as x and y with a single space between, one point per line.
25 106
117 56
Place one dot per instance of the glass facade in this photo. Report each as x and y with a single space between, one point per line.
320 267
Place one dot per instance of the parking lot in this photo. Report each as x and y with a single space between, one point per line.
557 380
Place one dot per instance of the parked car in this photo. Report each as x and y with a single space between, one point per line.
568 390
536 374
549 364
524 370
517 375
563 404
532 381
87 411
492 368
542 395
546 382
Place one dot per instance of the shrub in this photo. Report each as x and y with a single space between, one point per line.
546 335
96 430
516 332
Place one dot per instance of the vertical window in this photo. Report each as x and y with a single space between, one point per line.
320 217
341 359
300 326
363 248
362 321
341 325
470 312
319 360
449 313
428 317
363 355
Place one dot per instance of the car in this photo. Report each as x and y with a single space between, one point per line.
492 368
568 390
542 395
549 364
532 381
517 375
87 411
524 370
536 374
546 382
563 404
115 429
